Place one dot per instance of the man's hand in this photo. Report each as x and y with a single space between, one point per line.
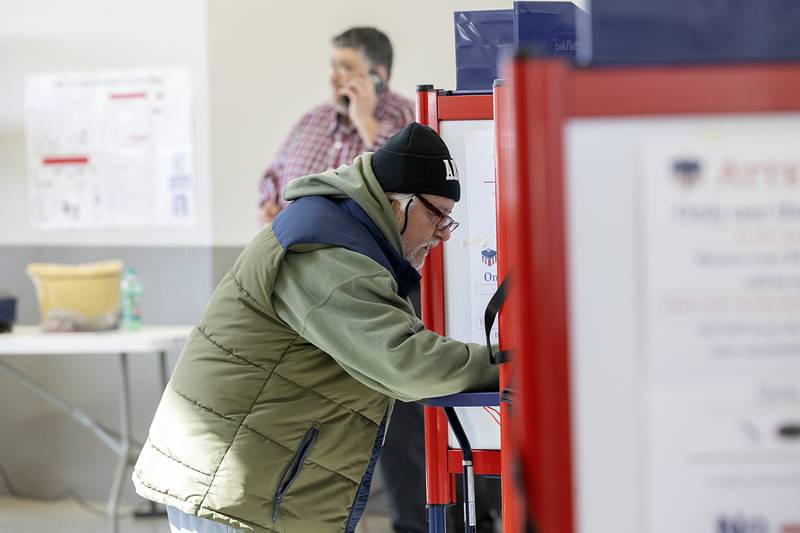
268 211
361 110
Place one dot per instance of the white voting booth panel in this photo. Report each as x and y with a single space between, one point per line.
470 259
684 276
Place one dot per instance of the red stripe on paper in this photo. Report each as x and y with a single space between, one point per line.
121 96
77 160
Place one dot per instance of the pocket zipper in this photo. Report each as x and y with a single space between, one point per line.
293 468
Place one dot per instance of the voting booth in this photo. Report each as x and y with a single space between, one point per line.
458 281
656 299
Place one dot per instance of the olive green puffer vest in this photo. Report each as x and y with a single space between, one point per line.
281 439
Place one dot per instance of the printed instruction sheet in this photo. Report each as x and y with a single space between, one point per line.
111 148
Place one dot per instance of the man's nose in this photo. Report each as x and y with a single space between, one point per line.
444 234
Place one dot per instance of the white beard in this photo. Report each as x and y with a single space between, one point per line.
419 255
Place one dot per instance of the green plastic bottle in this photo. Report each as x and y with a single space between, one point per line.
131 296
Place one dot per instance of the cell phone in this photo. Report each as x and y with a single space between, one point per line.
380 87
377 82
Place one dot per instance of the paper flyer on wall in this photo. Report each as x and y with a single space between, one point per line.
111 149
721 259
482 240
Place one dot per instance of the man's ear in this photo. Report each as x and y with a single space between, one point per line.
383 73
398 212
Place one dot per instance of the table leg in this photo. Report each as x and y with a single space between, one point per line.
124 460
162 361
154 509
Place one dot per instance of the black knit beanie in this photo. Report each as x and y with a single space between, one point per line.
416 161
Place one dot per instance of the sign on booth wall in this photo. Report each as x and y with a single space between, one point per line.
111 148
470 258
722 336
482 238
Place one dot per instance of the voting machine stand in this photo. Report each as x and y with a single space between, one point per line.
442 462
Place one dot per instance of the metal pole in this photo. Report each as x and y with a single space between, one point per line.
470 518
162 360
154 509
124 459
437 518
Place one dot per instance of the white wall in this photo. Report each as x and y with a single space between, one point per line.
269 64
257 66
38 36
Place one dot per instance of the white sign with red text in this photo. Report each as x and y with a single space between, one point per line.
721 263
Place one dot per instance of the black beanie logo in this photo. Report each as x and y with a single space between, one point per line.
451 172
416 160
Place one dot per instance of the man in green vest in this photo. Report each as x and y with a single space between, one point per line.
276 411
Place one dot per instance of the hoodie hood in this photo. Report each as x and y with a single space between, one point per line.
356 181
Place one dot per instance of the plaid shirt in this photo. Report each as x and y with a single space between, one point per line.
323 140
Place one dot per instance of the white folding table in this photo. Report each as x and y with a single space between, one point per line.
29 340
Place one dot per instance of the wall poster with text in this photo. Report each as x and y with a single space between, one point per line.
111 149
721 261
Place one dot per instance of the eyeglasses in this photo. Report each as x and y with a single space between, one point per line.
445 221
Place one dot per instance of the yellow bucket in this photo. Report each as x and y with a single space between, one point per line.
77 297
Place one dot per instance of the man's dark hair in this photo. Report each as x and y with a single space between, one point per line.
371 42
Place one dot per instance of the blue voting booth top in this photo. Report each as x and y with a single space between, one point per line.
650 32
482 37
626 32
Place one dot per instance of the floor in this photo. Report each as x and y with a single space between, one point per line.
67 516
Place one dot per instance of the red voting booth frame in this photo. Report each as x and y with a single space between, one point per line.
544 95
441 463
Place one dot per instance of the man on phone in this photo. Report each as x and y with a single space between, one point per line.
360 117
